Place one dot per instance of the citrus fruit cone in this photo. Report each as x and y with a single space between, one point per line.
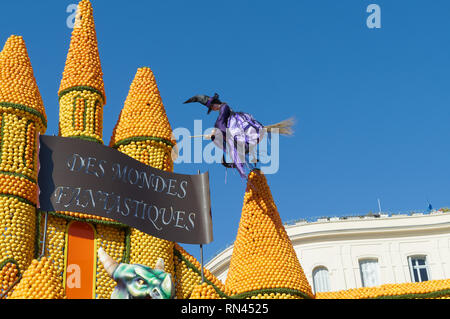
143 132
264 263
82 91
22 117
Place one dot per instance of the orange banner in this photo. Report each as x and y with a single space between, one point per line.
79 276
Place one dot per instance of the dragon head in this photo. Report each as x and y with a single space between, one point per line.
138 281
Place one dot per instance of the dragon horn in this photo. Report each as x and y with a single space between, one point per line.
107 261
168 287
160 264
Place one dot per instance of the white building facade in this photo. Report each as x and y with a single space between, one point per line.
354 252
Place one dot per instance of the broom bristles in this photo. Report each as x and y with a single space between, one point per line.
284 128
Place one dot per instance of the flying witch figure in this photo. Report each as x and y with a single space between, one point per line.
237 133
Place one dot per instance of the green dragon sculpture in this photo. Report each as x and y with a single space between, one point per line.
138 281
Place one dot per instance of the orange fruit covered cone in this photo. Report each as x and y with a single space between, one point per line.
83 67
143 115
264 262
143 132
18 87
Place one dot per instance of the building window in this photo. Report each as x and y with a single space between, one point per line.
321 279
419 268
370 272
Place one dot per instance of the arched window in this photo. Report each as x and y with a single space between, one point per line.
418 267
321 279
370 272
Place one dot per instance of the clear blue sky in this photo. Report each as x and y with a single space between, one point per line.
372 104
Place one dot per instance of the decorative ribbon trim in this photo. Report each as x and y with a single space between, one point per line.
142 139
86 220
289 291
126 254
81 89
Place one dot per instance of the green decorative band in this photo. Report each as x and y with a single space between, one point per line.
287 291
142 139
2 141
37 235
19 175
126 254
199 273
25 151
126 257
26 109
20 199
431 295
81 89
97 109
86 138
74 111
86 220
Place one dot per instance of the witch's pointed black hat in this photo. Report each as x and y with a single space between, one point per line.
205 100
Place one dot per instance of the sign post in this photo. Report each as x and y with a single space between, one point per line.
201 256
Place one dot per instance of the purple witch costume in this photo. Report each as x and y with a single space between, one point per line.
241 132
236 133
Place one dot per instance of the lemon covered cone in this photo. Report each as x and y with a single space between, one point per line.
22 117
143 116
18 88
82 93
83 67
143 132
264 263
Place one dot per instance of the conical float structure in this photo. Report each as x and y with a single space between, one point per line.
143 118
81 100
82 91
19 90
22 118
143 132
264 263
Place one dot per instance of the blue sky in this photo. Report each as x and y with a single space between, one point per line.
372 105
